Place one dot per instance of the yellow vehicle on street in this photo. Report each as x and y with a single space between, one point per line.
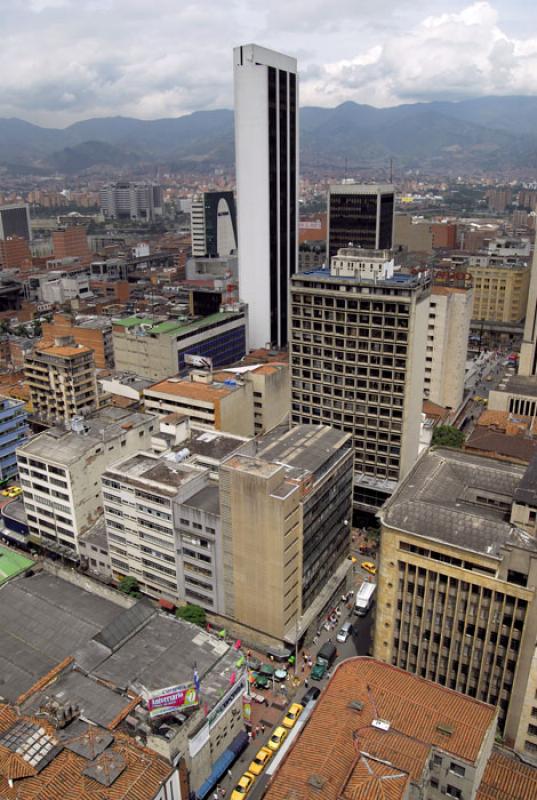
277 738
260 761
295 710
369 567
244 785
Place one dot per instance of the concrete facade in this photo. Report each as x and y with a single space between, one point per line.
357 360
60 473
61 379
213 404
93 332
157 349
457 579
450 313
500 291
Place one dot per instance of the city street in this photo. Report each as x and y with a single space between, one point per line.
359 643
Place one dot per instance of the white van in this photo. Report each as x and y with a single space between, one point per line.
364 598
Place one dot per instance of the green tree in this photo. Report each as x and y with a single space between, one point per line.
447 436
129 585
192 613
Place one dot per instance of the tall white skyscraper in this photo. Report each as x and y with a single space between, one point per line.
266 152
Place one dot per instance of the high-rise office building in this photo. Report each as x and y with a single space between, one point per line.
457 577
357 358
214 224
15 221
266 147
126 200
360 215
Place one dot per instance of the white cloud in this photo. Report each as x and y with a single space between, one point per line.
68 61
446 56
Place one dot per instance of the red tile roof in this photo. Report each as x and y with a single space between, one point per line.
337 736
63 778
507 778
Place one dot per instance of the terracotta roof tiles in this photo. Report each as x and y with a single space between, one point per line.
420 715
507 778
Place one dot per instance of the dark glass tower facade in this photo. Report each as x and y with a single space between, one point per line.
361 216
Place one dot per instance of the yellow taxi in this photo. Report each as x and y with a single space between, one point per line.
260 761
277 738
295 710
12 491
369 567
244 785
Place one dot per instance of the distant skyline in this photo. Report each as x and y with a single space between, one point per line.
66 60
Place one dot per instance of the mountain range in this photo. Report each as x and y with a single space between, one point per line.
484 133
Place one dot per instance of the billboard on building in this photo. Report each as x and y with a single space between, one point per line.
173 698
203 362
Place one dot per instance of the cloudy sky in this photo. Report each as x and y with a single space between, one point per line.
65 60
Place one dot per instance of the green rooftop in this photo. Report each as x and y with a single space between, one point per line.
173 326
11 564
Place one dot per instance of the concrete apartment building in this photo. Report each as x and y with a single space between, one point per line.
458 577
13 433
360 215
91 331
285 508
61 379
378 732
60 472
357 360
448 328
213 404
500 291
152 529
156 349
14 252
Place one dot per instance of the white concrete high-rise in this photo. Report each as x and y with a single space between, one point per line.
266 153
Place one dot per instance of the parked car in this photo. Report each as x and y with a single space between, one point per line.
277 738
295 710
260 761
344 632
369 567
243 786
311 695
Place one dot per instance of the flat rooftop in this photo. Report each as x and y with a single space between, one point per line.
346 754
43 621
303 447
526 491
400 280
458 498
519 384
12 564
214 445
62 446
208 499
144 469
195 390
173 326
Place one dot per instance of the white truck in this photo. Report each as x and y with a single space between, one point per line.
364 598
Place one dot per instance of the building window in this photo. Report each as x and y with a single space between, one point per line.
457 769
452 791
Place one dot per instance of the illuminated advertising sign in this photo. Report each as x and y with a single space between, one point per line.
171 699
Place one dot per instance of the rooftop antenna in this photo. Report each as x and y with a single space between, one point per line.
345 172
391 170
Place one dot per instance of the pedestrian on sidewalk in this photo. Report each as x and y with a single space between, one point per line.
230 774
262 727
305 683
222 791
257 730
249 737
